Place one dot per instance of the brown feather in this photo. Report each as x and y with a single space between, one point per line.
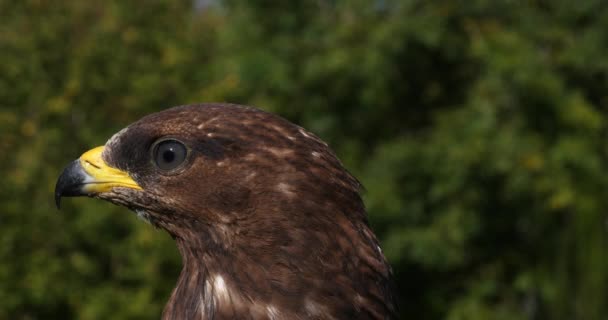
266 218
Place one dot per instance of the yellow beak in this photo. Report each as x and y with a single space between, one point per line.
102 178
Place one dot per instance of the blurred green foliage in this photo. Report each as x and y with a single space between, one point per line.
479 129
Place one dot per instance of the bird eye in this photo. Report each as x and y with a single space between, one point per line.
169 154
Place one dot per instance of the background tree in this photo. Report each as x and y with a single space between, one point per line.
478 128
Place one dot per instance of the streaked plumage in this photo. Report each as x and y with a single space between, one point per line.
268 222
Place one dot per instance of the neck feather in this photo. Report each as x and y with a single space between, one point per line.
190 298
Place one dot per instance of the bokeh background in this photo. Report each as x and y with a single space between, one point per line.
479 129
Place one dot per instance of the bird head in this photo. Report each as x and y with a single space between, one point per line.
214 165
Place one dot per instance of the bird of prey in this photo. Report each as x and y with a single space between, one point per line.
268 222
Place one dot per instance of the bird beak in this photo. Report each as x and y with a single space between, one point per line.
90 175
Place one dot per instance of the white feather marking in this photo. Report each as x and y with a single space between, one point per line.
279 152
251 175
316 310
273 313
286 189
219 287
305 134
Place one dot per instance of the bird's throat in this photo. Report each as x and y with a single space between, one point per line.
202 290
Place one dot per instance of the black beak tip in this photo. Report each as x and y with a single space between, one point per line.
69 183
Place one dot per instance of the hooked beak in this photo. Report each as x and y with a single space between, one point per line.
90 175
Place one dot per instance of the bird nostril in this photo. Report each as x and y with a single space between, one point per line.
92 164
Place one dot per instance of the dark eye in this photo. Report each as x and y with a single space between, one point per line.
169 154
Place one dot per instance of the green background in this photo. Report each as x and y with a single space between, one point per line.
479 129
